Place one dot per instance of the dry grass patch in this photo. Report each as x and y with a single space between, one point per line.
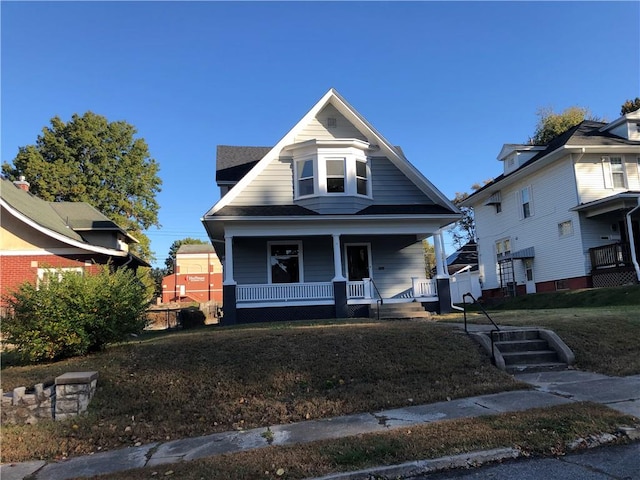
195 383
538 431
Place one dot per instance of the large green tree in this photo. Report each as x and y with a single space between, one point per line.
90 159
551 124
173 249
630 106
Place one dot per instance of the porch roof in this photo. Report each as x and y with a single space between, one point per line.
297 210
619 202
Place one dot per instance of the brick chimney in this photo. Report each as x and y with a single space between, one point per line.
22 184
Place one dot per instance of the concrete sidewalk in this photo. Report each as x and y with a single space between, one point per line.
551 388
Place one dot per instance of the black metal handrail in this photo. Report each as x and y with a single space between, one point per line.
491 333
379 300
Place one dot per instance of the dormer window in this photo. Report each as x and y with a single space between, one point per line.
331 167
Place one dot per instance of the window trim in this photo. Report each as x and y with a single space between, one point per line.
297 172
608 173
569 233
42 271
502 242
300 262
528 212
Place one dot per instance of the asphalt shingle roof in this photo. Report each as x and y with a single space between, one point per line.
233 163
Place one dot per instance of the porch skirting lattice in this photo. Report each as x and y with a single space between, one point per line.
614 278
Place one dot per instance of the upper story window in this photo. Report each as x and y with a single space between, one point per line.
525 198
305 177
615 175
335 175
617 172
331 167
362 177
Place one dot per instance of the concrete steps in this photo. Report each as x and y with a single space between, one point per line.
527 350
399 311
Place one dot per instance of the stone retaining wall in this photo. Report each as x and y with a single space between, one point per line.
68 397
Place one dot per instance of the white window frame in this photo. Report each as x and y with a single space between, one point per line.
350 157
43 272
568 232
300 263
503 247
344 176
608 172
314 178
528 212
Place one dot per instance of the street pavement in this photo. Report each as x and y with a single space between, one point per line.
551 388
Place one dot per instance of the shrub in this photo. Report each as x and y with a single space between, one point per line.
73 314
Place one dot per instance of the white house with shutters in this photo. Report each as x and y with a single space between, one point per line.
327 223
563 215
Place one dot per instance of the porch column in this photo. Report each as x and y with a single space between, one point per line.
339 281
441 261
228 260
229 310
337 260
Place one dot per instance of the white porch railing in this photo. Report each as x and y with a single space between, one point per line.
284 291
424 287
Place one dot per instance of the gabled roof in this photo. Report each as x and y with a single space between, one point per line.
332 97
587 134
233 163
61 221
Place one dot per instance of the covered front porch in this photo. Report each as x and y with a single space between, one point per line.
327 276
613 223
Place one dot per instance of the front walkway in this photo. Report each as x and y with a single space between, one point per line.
551 388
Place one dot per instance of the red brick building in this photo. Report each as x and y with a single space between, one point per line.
37 238
197 276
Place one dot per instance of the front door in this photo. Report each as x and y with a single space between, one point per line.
358 262
528 273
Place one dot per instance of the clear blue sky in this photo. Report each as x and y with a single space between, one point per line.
450 82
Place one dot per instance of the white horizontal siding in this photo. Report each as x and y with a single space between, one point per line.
553 195
590 175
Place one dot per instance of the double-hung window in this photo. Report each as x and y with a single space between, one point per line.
362 177
617 172
526 202
615 175
305 177
335 175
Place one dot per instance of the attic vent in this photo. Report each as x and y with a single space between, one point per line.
332 122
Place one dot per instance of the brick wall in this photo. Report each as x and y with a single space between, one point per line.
15 270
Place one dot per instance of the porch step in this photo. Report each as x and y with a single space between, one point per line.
527 350
399 311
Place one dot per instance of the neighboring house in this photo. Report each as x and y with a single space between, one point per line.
38 238
465 274
325 223
563 215
196 277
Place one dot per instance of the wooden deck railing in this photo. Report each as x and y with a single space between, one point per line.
608 256
285 291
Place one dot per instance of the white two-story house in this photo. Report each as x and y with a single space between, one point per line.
563 215
325 224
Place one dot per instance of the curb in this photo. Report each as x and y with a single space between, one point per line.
422 467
